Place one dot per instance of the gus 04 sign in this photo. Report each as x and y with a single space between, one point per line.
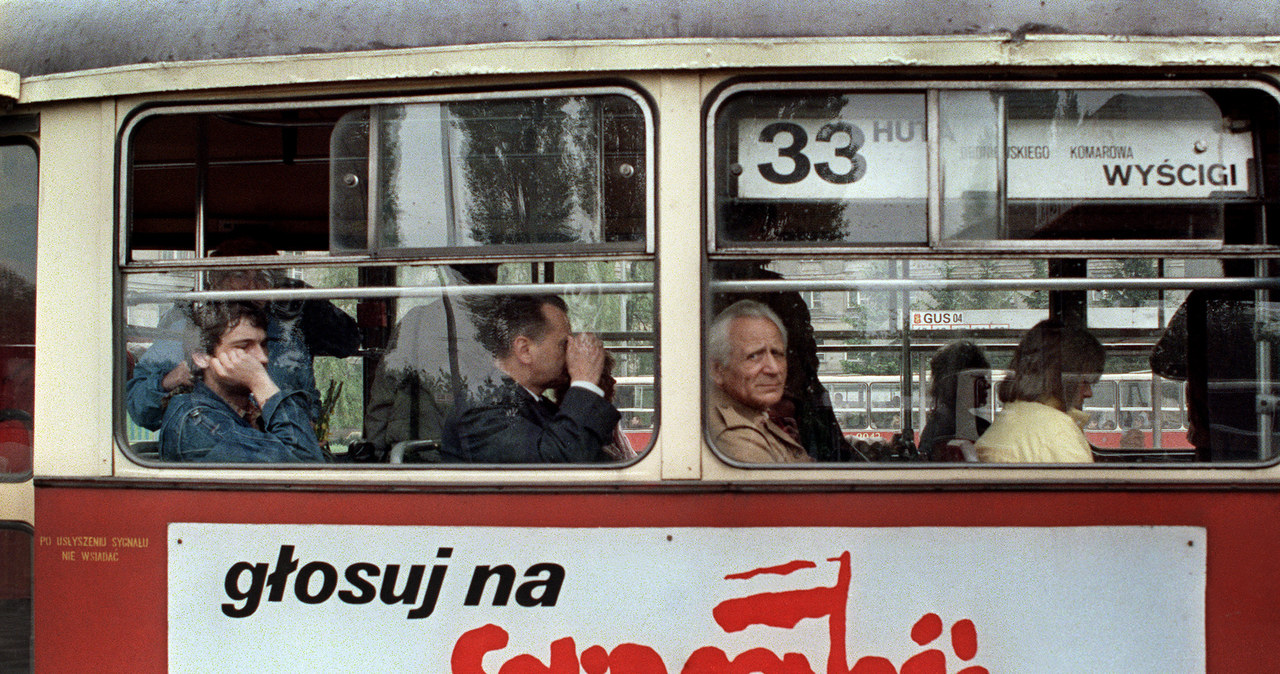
486 600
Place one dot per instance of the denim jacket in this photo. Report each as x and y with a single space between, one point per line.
200 426
319 329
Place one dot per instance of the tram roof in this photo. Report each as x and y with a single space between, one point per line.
42 37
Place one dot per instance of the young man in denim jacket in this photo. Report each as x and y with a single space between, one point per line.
236 412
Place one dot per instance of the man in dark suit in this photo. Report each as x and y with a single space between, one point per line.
509 420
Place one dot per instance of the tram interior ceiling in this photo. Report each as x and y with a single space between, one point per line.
260 173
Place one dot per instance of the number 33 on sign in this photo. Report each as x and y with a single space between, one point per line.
831 159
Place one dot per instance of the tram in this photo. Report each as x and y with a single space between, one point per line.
377 182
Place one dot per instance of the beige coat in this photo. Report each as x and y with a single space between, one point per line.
747 435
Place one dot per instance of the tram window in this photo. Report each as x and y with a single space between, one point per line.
886 405
15 597
1135 404
387 245
18 188
1172 406
636 402
1176 177
849 401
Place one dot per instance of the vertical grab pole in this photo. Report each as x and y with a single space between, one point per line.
202 184
1262 338
908 433
1157 391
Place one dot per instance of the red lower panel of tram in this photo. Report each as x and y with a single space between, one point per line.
649 580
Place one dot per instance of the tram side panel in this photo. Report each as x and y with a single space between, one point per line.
156 579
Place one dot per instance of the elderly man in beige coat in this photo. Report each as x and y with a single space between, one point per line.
747 347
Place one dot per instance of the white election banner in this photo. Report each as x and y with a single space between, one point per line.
468 600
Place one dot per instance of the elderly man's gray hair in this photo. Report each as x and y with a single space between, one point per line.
718 347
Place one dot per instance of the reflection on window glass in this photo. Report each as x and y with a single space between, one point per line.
1139 307
267 332
821 167
524 171
853 405
452 385
830 166
970 164
456 363
1099 164
17 295
198 367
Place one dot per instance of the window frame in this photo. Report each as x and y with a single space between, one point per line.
640 251
29 124
938 248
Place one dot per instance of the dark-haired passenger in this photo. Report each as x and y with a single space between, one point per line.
297 332
959 381
1054 369
235 412
511 420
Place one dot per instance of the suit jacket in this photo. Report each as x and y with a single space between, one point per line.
505 423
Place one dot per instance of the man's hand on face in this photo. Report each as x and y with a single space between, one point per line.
584 357
180 375
239 367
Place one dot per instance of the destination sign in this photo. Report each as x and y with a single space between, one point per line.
885 157
1127 159
875 150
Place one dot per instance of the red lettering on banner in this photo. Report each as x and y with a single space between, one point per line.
781 570
469 649
624 659
873 665
564 660
964 639
771 609
926 629
712 660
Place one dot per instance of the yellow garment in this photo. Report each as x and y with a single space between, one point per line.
747 435
1028 432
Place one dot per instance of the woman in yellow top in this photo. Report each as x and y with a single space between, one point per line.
1054 369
